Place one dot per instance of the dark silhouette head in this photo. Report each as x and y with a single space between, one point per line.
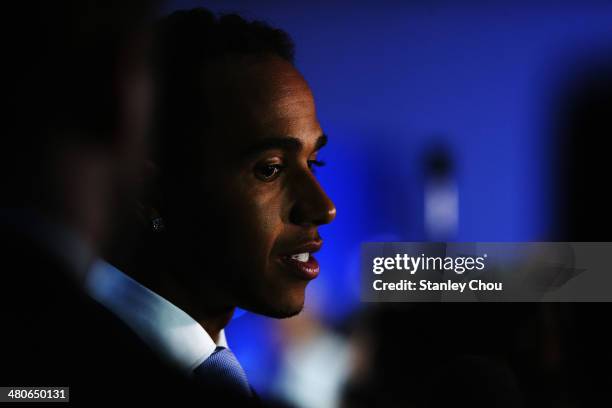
76 85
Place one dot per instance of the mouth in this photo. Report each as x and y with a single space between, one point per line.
302 262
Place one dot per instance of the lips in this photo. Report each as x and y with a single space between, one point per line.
301 262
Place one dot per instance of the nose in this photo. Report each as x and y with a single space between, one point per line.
312 205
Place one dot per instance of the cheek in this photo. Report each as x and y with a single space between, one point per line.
257 224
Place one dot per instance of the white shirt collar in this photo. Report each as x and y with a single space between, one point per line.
168 330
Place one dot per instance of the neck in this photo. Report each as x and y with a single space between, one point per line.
214 324
203 305
154 263
213 318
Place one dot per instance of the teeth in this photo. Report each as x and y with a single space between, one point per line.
301 257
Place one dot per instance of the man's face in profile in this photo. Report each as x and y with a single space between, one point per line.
260 202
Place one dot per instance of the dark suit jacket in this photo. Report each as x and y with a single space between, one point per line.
55 335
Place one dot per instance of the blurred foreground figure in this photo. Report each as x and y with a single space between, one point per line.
77 85
583 125
441 354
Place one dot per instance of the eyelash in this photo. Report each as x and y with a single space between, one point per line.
279 167
315 163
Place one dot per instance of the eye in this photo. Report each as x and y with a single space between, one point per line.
315 163
268 172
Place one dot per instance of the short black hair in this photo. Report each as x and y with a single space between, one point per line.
190 38
186 43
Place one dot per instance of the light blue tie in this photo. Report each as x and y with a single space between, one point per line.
223 371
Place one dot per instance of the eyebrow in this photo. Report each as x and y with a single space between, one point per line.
288 143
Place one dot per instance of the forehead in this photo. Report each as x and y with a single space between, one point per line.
253 97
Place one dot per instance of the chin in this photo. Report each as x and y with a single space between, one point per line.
279 306
285 312
274 294
290 310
